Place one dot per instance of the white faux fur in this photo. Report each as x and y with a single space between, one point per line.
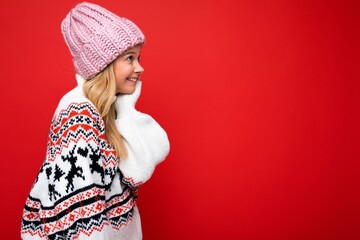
146 141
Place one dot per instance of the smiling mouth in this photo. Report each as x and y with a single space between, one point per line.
132 79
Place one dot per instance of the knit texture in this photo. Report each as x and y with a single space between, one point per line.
80 192
83 191
96 37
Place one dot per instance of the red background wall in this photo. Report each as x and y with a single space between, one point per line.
260 100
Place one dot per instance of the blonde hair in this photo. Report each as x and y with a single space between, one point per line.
100 91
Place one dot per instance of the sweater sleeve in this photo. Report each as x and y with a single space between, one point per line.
146 142
67 199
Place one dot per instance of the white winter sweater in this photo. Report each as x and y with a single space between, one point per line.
82 190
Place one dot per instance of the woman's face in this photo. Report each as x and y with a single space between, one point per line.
127 70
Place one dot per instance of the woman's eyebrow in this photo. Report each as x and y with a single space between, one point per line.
129 53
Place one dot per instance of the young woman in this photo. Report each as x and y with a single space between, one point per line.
100 149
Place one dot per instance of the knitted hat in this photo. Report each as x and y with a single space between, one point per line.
96 37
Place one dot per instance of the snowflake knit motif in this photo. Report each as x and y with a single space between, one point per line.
79 191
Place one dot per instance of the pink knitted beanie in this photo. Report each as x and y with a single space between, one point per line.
96 37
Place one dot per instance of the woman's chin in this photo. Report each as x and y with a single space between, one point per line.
127 90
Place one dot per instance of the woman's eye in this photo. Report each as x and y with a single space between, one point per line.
130 58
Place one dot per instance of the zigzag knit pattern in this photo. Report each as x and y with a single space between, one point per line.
79 190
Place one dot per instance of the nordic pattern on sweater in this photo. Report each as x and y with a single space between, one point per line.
79 189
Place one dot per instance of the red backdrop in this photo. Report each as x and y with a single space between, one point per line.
260 100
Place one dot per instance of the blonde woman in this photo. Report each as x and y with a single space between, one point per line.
100 149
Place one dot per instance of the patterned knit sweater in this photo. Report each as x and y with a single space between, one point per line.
82 190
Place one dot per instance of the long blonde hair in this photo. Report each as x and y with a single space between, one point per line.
100 90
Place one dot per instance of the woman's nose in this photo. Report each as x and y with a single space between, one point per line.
138 69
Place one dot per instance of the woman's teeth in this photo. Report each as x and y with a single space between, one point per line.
132 79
